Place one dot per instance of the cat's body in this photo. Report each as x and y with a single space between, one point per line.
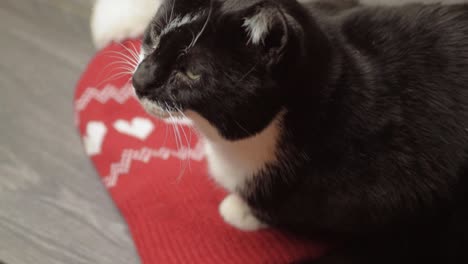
333 119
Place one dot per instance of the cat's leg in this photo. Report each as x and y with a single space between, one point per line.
237 213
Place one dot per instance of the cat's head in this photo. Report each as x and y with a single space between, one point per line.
219 59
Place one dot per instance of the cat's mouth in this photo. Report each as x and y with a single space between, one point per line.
160 109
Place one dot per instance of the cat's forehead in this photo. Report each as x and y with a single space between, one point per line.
185 7
223 5
228 6
179 21
192 16
178 13
182 12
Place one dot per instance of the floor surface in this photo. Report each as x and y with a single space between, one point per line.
53 208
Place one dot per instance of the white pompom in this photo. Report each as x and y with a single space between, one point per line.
116 20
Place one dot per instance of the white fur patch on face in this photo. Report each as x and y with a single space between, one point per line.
232 163
174 24
258 26
153 108
178 22
141 57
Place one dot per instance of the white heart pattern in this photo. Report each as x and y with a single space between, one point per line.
95 135
139 128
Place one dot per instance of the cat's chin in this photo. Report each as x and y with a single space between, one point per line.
156 110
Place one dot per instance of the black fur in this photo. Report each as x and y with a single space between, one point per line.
375 140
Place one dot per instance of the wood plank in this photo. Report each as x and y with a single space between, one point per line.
53 208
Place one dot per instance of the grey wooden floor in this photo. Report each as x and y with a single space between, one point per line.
53 209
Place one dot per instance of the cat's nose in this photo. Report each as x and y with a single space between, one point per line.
143 78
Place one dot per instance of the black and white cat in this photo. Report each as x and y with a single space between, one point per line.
330 118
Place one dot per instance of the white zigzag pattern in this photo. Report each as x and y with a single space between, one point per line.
110 92
145 155
103 96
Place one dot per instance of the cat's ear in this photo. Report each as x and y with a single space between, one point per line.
270 28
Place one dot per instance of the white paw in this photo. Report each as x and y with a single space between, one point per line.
117 20
237 213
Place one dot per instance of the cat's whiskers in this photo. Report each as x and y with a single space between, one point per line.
121 58
164 7
125 69
188 140
191 42
179 136
172 11
173 127
113 71
126 64
186 149
130 57
183 131
178 128
165 137
133 53
204 26
242 127
248 73
173 130
166 127
126 61
188 146
115 77
118 72
122 62
178 140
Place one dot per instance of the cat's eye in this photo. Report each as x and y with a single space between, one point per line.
192 75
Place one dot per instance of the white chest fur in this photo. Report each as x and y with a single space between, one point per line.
231 163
